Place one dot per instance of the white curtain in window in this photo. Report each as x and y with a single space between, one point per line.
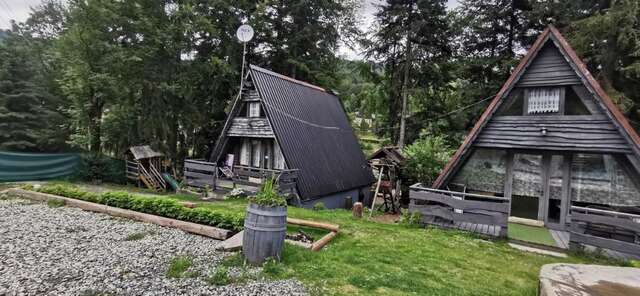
256 153
245 152
544 100
278 158
254 109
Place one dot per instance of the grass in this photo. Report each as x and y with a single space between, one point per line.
55 203
179 266
369 258
136 236
220 277
538 235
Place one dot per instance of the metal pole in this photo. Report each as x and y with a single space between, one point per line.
244 53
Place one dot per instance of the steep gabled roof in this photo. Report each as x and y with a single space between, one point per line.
551 34
314 134
144 151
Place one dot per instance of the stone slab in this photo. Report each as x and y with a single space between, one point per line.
563 279
233 243
538 250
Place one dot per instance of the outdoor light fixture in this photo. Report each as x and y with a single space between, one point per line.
543 131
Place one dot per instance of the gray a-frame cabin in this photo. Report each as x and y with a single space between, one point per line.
551 143
282 126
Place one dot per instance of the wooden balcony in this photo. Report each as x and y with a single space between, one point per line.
254 177
257 127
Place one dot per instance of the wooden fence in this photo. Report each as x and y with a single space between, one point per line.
198 173
254 176
610 230
471 212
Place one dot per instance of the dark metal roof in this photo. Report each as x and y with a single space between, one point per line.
314 134
145 151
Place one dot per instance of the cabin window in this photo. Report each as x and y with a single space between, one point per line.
602 179
245 152
267 154
254 109
544 100
484 173
255 153
526 189
513 105
574 105
278 158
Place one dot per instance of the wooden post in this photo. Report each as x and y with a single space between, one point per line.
375 195
357 210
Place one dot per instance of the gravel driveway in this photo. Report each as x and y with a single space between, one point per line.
66 251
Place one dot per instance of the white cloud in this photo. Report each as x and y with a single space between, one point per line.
15 10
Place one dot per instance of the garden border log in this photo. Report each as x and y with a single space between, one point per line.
204 230
300 222
316 246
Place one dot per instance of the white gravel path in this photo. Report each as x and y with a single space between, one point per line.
66 251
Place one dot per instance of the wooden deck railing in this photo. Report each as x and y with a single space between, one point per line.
255 176
474 212
132 170
199 173
605 229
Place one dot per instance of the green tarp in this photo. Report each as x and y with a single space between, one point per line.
17 166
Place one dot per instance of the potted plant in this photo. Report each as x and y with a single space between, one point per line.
265 225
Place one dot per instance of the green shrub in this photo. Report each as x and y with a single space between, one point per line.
319 206
101 168
268 195
410 219
425 159
151 205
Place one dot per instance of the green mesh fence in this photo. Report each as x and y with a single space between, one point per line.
18 166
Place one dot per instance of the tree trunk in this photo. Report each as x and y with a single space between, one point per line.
405 94
95 127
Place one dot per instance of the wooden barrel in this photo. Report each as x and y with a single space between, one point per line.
264 232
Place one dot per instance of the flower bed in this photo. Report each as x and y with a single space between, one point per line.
151 205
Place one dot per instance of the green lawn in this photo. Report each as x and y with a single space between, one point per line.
538 235
369 258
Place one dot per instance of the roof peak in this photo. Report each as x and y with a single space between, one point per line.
269 72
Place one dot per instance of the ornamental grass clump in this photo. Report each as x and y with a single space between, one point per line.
268 195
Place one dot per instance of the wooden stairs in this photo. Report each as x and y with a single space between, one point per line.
152 178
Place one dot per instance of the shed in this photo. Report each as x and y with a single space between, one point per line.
145 165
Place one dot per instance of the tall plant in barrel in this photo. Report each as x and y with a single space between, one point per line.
265 225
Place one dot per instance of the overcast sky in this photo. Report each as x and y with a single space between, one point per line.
19 10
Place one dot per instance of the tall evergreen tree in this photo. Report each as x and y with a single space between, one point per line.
410 39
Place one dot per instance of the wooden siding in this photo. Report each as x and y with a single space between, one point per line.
549 68
251 95
257 127
564 133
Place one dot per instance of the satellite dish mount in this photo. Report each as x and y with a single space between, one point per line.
244 34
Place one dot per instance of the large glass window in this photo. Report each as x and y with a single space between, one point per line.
526 190
484 173
602 179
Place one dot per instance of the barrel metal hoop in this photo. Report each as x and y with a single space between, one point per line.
266 228
267 213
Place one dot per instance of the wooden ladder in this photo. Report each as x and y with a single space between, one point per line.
148 179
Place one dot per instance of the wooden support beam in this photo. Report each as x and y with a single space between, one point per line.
300 222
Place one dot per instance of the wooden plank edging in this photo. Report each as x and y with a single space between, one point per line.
204 230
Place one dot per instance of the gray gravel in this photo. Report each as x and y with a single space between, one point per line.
66 251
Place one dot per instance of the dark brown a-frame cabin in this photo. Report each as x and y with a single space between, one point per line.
286 127
550 145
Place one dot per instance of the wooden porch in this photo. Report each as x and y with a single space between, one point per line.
482 214
198 173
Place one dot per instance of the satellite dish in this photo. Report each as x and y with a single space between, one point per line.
244 33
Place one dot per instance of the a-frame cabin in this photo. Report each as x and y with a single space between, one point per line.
550 139
282 126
